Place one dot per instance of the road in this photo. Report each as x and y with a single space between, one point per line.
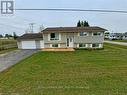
117 43
11 58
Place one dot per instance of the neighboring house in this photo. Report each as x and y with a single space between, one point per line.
107 34
63 37
116 36
125 36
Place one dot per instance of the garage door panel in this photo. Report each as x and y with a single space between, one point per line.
28 45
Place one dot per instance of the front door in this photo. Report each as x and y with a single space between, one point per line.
70 42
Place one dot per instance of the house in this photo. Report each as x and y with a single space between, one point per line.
115 36
106 35
125 36
63 38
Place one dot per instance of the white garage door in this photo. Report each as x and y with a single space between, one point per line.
28 45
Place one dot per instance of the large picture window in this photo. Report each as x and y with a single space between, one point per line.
83 33
97 34
54 36
95 45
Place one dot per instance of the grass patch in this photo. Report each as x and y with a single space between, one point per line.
83 72
120 41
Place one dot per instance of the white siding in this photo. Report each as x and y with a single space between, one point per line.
42 44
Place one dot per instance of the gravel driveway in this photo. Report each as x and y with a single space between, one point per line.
11 58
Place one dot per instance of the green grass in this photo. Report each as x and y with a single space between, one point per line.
83 72
120 41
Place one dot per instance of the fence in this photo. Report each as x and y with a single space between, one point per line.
8 46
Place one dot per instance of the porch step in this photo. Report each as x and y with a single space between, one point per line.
58 49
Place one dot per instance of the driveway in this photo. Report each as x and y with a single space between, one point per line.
117 43
11 58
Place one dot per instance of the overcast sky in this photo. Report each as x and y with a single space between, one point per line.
19 22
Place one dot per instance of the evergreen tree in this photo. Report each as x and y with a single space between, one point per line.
79 24
14 35
82 24
1 36
86 24
7 36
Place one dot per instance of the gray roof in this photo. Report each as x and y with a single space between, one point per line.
30 36
74 29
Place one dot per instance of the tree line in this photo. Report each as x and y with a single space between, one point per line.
8 36
82 24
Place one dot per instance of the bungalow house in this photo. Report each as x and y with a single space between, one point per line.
115 36
125 36
63 38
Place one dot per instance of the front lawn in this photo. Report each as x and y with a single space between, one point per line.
120 41
83 72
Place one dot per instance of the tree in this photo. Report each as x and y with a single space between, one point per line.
83 24
14 35
79 24
8 36
1 36
86 24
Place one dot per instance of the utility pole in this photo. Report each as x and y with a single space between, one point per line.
41 28
31 27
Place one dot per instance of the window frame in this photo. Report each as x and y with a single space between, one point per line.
55 46
56 37
82 44
97 34
83 34
96 45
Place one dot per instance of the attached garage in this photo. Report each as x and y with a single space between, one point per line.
31 41
28 44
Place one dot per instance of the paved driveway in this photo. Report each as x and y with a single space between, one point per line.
11 58
117 43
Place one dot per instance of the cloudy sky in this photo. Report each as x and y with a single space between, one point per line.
19 21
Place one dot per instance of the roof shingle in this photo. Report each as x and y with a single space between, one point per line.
30 36
74 29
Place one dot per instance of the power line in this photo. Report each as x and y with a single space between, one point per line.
74 10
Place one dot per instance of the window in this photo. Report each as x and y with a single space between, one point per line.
97 34
83 33
95 45
54 36
81 45
55 45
